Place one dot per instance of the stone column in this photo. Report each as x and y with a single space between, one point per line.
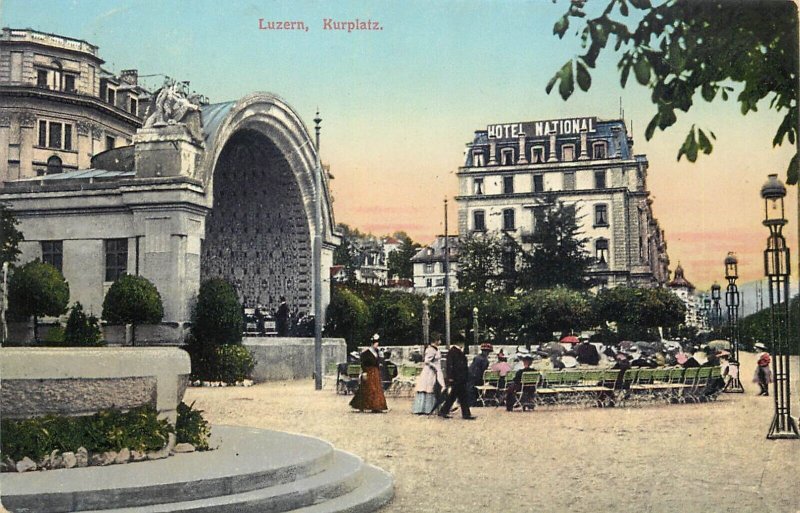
27 140
584 147
551 153
522 159
84 145
97 135
492 154
5 138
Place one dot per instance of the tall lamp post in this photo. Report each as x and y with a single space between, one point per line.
426 323
707 310
732 302
776 268
716 313
475 334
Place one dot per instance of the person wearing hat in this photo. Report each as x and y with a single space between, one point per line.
763 374
369 395
516 384
478 366
457 377
430 382
586 353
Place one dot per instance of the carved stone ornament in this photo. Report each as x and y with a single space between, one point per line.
27 119
83 127
5 119
173 106
97 132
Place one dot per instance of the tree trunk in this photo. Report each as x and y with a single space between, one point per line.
133 334
35 330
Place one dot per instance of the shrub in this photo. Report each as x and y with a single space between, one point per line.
233 363
82 330
191 427
217 317
132 300
108 430
54 337
37 289
347 317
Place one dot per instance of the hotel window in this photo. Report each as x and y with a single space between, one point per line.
109 142
441 267
54 165
507 156
53 253
601 215
508 185
477 186
537 154
538 183
440 282
477 159
112 96
508 219
116 258
53 134
599 179
569 180
41 78
428 268
134 106
69 83
428 282
599 150
601 251
568 152
478 221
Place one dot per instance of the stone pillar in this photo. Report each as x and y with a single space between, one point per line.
492 153
27 139
97 143
551 153
5 140
584 147
522 159
84 146
166 151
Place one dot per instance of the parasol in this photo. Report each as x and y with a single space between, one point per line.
719 344
570 339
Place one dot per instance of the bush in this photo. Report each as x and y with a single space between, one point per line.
347 317
191 427
54 337
37 289
82 330
132 300
108 430
234 363
217 317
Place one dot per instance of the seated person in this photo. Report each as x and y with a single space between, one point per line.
587 354
515 385
388 370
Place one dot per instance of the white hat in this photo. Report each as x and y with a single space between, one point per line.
376 337
759 345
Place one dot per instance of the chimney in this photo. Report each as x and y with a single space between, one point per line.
130 76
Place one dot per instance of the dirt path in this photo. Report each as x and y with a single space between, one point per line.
668 458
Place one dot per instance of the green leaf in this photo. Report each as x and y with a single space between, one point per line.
708 91
704 143
791 171
651 127
642 70
623 8
567 85
625 70
724 95
641 4
689 147
561 26
551 83
583 76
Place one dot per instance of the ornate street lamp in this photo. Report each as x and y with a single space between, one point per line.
776 268
475 326
707 310
426 323
716 315
732 302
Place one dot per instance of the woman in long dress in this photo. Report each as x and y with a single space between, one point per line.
369 395
427 381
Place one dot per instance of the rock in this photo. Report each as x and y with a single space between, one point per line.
138 455
56 460
8 465
103 459
26 464
70 461
123 456
82 457
163 453
183 447
171 441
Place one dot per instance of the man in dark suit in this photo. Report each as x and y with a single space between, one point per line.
282 318
457 375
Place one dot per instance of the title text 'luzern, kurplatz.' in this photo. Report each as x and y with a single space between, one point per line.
543 128
281 25
350 25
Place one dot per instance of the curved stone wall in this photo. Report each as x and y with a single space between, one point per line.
82 381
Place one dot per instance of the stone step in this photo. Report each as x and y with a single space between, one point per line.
343 476
376 490
247 459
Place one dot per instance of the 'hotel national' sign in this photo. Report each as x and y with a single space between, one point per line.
571 126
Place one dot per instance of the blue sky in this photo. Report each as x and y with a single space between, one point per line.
399 104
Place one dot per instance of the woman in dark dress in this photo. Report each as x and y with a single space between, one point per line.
369 395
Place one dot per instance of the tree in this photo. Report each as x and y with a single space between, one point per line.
545 311
9 235
684 47
343 255
347 317
480 262
399 261
37 289
217 316
396 316
82 330
558 256
132 300
639 311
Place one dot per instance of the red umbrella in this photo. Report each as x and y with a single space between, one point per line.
570 339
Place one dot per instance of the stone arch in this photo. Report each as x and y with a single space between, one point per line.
258 173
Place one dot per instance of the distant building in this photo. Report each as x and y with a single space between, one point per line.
390 244
696 316
513 172
59 107
429 266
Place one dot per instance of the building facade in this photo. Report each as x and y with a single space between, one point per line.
58 106
429 266
696 313
513 172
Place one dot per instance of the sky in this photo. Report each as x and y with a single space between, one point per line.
399 104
